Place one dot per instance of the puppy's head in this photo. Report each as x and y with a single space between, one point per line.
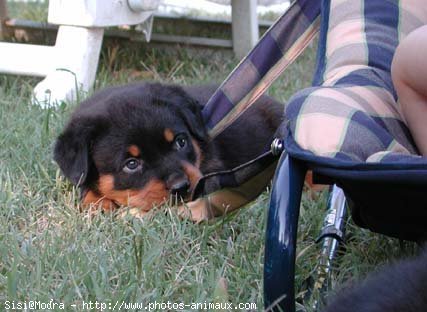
133 145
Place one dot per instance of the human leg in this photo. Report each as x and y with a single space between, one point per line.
409 74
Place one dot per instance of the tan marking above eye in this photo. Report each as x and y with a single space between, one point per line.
197 150
134 151
169 135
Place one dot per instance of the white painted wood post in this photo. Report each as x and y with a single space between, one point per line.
78 44
244 26
70 66
75 62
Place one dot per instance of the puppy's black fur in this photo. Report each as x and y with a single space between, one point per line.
137 144
401 287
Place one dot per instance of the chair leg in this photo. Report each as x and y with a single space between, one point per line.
282 223
331 236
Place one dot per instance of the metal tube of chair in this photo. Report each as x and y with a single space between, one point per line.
334 223
281 234
332 235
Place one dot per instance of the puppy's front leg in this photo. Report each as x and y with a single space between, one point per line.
196 211
213 205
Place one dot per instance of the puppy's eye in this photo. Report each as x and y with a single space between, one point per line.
180 142
132 165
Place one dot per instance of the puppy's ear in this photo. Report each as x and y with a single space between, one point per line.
190 111
72 149
194 121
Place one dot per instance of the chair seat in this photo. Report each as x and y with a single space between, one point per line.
386 197
348 127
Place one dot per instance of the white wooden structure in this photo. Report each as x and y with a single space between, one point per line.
244 26
70 65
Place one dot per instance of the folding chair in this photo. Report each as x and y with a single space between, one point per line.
347 129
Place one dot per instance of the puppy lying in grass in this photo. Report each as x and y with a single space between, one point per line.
139 144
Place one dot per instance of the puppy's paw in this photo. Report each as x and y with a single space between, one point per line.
196 211
131 212
94 203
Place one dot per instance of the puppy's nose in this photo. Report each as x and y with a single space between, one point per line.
180 188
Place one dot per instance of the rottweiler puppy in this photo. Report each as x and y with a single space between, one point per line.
136 145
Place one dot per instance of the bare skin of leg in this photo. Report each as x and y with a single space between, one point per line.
409 74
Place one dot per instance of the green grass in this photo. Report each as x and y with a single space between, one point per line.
34 10
49 250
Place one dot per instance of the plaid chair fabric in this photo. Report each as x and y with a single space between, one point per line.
348 127
352 112
277 49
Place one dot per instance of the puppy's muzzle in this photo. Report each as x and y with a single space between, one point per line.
180 188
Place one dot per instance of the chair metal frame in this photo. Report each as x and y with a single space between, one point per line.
281 237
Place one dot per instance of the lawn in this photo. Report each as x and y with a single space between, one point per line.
49 250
